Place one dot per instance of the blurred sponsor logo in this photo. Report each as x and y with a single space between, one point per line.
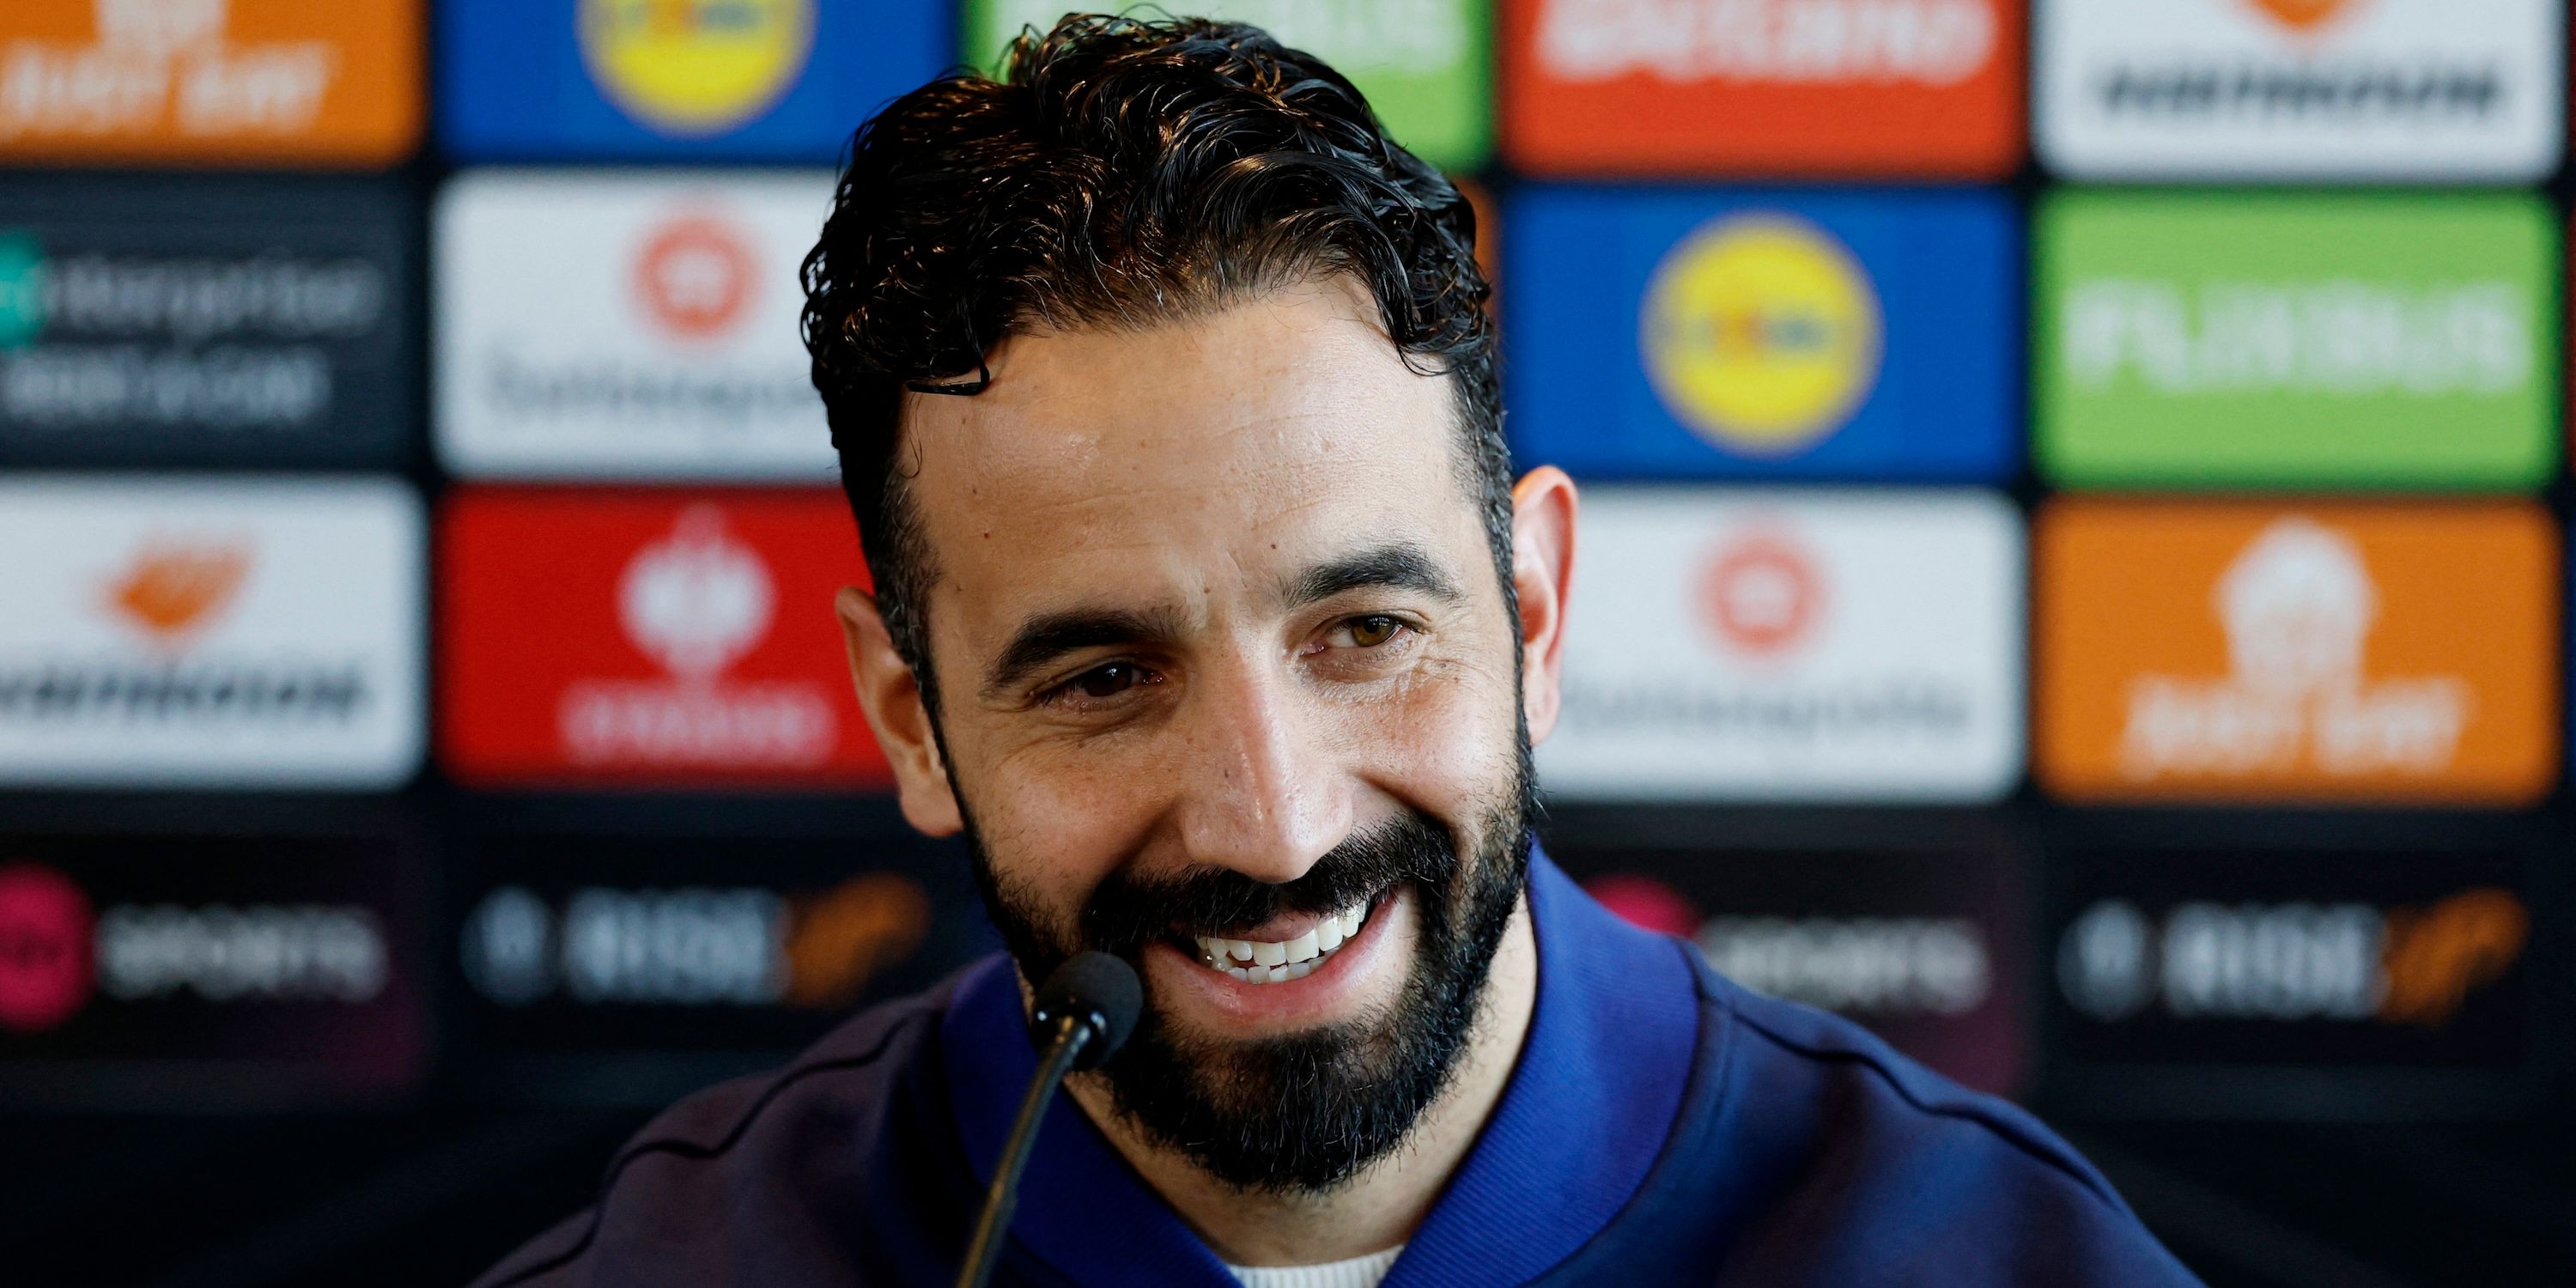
628 326
22 289
2346 962
225 632
169 590
2405 340
2296 605
170 340
701 644
1932 42
253 952
1760 592
2303 14
1667 332
695 602
2398 87
2336 641
54 958
1417 35
693 946
1876 966
695 276
1711 663
2345 338
1761 332
695 67
45 965
1859 965
1805 86
1422 63
166 593
157 60
221 77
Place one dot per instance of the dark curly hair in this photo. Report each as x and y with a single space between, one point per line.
1121 174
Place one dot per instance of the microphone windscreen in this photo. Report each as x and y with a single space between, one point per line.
1100 986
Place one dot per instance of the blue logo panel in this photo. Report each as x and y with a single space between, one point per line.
743 80
1753 334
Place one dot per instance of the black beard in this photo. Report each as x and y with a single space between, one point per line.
1303 1113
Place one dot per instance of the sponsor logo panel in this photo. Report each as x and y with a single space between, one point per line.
2315 652
2276 959
1786 646
2389 340
223 967
670 638
590 945
1921 946
205 322
1672 333
635 327
217 632
220 81
768 80
1425 65
2361 89
1823 87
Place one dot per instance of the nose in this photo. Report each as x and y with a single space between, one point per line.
1259 793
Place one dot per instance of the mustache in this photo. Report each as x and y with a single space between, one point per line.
1128 912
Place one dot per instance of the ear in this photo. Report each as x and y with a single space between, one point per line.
891 696
1543 509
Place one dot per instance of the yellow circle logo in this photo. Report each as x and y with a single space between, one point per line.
1760 333
695 67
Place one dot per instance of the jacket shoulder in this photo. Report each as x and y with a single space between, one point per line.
734 1182
1879 1170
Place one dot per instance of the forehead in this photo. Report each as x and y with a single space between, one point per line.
1107 460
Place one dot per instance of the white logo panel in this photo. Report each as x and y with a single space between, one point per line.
222 632
628 326
1733 644
2321 89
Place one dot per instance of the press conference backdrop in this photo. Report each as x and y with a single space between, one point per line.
2073 576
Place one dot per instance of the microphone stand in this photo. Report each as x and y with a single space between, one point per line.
1079 1018
1072 1034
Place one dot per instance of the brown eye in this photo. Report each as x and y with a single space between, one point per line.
1107 681
1369 632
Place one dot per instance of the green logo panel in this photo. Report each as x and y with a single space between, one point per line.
22 288
2295 340
1426 65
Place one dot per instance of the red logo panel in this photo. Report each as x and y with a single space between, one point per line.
648 637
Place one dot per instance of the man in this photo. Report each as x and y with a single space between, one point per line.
1207 611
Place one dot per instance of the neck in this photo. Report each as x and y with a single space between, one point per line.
1380 1207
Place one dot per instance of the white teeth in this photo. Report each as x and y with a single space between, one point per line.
1276 963
1302 948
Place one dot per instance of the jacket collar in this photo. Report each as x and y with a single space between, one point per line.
1589 1105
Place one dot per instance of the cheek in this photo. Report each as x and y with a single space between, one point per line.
1057 824
1444 744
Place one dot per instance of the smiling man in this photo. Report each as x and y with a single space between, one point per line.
1207 610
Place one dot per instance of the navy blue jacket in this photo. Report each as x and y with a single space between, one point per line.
1662 1126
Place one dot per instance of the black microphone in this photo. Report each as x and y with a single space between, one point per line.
1083 1014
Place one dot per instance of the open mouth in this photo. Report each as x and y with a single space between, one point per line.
1255 961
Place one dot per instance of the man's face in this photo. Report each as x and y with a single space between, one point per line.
1228 687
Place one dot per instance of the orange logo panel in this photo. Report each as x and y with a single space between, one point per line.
2330 652
1926 88
250 81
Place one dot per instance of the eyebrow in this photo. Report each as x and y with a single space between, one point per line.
1399 566
1048 636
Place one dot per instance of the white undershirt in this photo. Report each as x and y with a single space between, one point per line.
1358 1272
